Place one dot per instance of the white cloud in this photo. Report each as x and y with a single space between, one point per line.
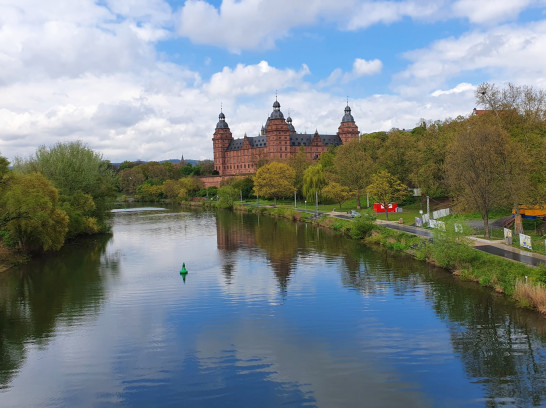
253 79
462 87
368 13
491 11
252 24
508 51
362 67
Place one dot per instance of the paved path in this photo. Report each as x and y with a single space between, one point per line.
496 247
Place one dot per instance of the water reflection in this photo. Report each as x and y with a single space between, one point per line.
274 314
500 346
35 298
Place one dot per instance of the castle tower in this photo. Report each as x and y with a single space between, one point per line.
220 142
347 129
277 133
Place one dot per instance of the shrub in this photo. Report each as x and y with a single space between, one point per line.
362 227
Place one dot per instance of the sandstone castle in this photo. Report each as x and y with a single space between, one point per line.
278 139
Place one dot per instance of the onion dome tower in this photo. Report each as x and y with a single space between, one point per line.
220 142
290 125
347 129
277 133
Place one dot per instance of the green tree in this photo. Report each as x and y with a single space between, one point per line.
336 192
227 196
299 162
475 166
130 179
74 168
29 213
207 167
313 181
353 167
4 167
275 180
386 188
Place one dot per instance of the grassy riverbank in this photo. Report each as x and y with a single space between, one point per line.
525 284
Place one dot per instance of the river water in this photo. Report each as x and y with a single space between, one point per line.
270 314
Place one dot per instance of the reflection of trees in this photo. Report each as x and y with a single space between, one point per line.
34 297
501 346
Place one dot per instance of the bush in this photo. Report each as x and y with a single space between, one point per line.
362 227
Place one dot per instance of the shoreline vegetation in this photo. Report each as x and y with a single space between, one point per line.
524 284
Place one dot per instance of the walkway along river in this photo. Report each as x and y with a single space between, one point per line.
271 313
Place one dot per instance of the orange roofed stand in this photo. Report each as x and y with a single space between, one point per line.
278 139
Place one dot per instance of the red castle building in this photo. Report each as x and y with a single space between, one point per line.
277 140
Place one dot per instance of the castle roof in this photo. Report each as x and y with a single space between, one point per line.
222 124
276 114
347 117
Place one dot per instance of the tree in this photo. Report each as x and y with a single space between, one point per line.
4 167
299 162
386 188
336 192
29 213
521 111
353 167
74 168
275 180
130 179
207 167
313 181
475 166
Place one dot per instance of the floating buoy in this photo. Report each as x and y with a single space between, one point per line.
183 271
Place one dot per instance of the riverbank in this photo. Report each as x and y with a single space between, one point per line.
524 284
10 257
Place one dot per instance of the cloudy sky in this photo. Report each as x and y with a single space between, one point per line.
145 79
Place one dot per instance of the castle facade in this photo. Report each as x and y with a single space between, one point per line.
278 139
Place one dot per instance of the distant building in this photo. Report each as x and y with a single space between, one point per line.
278 139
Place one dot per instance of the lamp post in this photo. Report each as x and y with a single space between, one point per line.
305 205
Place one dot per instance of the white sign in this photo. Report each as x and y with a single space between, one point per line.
508 236
525 241
458 228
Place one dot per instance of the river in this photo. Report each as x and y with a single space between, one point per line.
271 314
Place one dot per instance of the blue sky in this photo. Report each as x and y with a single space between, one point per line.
144 79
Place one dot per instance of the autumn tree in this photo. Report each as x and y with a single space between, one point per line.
353 167
336 192
386 188
475 166
313 181
30 215
275 180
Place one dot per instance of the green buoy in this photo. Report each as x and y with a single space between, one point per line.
183 271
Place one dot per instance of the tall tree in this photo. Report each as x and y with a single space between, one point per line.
313 181
475 166
299 162
353 167
275 180
386 188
